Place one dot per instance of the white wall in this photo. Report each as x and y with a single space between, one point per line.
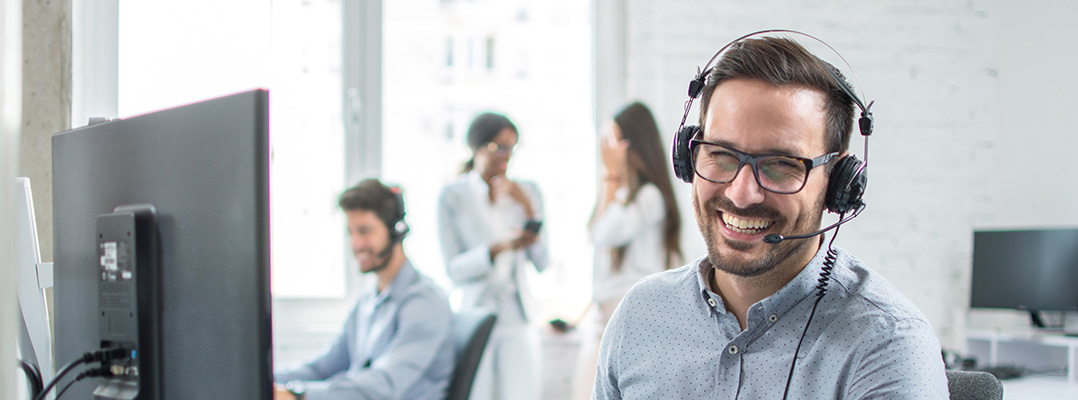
1036 140
969 93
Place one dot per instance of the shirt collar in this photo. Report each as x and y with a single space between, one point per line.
800 287
405 277
476 182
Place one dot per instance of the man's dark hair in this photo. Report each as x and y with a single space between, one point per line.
372 195
781 61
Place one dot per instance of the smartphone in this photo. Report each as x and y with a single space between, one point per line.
533 226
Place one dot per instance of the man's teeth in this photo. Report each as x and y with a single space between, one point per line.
745 225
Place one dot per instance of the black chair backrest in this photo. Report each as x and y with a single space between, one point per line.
471 332
973 385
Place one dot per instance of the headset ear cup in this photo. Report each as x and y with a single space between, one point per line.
680 153
400 230
846 186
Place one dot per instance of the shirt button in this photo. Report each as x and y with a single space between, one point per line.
733 349
711 301
773 318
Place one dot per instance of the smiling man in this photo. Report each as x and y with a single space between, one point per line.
745 321
397 342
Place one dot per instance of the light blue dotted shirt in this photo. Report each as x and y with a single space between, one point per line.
672 338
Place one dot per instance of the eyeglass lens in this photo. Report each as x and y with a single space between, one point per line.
498 148
780 174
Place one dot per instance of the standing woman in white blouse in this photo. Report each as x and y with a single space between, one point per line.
635 226
481 219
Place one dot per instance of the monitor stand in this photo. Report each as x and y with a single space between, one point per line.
1037 321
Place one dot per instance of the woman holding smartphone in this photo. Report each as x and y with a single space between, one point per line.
635 225
490 232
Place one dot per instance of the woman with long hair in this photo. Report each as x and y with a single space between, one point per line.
635 226
487 227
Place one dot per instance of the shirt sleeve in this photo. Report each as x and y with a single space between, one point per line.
904 363
334 360
606 373
620 223
463 265
424 326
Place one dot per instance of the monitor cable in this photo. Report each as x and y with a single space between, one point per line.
102 356
33 375
101 371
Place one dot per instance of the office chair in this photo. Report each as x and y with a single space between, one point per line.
973 385
471 332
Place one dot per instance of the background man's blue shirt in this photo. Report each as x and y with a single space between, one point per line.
397 344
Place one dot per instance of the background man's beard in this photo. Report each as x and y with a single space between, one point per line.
774 254
380 258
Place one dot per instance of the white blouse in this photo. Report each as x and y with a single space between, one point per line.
468 224
639 225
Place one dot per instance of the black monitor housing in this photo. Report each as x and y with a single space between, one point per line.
201 312
1033 270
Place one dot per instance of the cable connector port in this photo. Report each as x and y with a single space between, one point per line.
106 355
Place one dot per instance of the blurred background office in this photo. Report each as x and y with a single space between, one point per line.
972 120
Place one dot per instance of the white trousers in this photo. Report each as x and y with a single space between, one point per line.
510 368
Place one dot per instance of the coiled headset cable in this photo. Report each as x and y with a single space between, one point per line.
821 290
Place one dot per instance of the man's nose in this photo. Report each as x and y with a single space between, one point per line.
744 190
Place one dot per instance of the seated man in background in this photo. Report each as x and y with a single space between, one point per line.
397 342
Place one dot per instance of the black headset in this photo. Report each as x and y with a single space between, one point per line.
846 186
398 229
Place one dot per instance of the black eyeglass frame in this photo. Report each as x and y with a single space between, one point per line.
753 159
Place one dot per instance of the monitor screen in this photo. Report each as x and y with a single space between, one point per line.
204 168
1025 269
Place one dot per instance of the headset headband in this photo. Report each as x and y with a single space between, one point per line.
864 123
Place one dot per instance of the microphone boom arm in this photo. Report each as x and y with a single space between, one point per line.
775 238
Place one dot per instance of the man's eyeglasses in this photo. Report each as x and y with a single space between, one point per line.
500 149
775 173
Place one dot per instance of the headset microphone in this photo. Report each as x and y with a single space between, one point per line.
775 238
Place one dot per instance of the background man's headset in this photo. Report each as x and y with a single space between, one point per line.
398 229
846 185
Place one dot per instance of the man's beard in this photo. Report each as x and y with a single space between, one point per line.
774 255
380 259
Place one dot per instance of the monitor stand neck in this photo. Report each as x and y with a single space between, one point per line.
1037 321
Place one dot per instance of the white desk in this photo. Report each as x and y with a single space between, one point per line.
1037 387
1033 350
1030 349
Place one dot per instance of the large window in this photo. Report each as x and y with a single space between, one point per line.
367 88
442 62
172 53
445 61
